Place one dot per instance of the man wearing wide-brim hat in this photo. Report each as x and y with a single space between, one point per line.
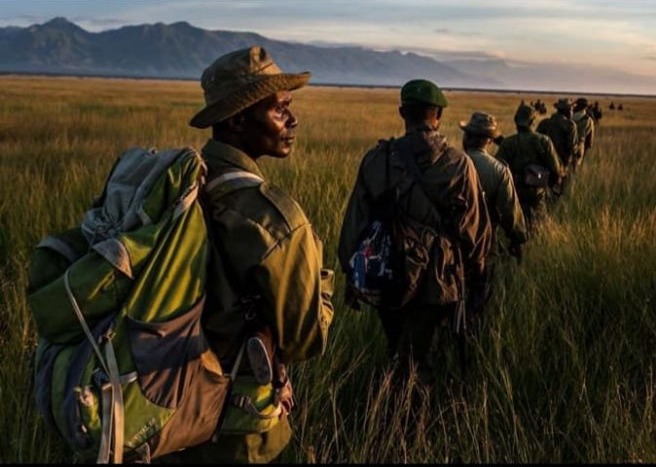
500 195
523 151
585 128
562 130
496 180
268 295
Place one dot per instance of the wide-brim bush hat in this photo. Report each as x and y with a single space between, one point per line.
563 104
481 124
525 115
423 91
239 79
581 103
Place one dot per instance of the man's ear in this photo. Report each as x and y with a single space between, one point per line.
401 112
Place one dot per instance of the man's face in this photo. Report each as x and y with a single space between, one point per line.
269 126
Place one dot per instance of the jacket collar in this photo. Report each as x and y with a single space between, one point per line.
220 156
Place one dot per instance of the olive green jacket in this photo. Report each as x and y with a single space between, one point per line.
269 250
448 178
528 147
266 253
563 134
500 195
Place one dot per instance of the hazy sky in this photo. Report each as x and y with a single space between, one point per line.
619 34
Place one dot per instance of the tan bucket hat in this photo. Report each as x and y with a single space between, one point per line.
238 80
563 103
481 124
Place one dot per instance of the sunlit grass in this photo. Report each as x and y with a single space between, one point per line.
563 369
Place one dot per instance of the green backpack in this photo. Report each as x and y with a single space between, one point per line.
123 370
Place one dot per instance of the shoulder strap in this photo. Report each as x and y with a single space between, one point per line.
411 167
231 181
407 159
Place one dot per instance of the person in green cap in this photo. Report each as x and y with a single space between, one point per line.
522 152
450 199
267 283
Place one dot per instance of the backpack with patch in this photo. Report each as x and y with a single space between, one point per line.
123 370
400 258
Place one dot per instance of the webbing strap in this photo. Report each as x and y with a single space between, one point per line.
107 419
246 403
238 177
83 323
186 200
117 406
112 394
233 375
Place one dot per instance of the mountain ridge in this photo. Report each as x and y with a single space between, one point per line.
181 51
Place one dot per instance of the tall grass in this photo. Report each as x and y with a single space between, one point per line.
562 370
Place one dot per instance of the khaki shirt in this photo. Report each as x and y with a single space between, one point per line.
585 130
267 250
500 195
448 178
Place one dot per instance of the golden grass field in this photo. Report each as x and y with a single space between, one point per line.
563 370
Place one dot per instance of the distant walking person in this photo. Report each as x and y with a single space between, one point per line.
501 197
561 129
534 164
585 128
450 186
496 179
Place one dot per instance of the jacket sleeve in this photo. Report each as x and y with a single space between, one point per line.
297 293
552 161
511 216
472 223
357 217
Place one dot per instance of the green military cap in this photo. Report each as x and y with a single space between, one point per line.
423 91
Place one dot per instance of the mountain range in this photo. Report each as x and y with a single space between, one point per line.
181 51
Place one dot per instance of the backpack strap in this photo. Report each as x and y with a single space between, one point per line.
232 181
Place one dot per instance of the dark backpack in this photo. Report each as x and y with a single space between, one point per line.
123 368
399 258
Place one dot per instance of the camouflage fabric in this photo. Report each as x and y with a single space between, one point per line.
563 134
500 195
265 248
524 148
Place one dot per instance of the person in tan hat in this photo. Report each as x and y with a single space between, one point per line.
447 197
522 152
268 283
561 129
585 128
497 182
